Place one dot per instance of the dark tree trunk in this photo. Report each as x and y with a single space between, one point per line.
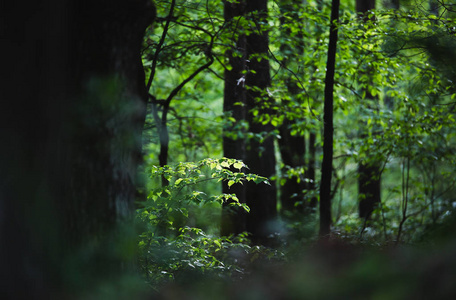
311 167
260 156
369 180
369 188
292 148
364 5
109 111
326 169
233 218
70 131
311 187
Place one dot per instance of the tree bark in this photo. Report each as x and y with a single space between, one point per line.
369 188
260 156
369 180
71 135
364 5
292 148
233 218
326 169
311 187
293 151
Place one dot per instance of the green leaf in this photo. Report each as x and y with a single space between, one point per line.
260 180
225 164
238 165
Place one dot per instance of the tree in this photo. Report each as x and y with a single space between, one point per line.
369 181
74 135
247 82
234 99
164 105
326 168
260 155
292 147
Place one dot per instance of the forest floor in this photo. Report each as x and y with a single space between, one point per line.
336 269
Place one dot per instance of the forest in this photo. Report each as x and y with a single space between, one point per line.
236 149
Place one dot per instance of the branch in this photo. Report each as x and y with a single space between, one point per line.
160 45
193 75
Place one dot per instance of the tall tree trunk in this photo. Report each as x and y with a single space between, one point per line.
292 148
326 169
233 218
71 134
369 180
311 167
260 155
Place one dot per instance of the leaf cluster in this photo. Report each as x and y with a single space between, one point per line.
170 244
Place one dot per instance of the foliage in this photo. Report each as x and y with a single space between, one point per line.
181 57
172 244
394 104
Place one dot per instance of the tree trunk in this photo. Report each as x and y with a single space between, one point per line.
71 133
312 166
260 155
233 218
292 148
326 169
369 180
364 5
293 151
369 188
311 187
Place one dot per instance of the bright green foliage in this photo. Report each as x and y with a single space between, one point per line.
173 241
185 176
395 77
186 68
412 122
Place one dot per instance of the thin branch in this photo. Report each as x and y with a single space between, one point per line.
160 45
177 89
